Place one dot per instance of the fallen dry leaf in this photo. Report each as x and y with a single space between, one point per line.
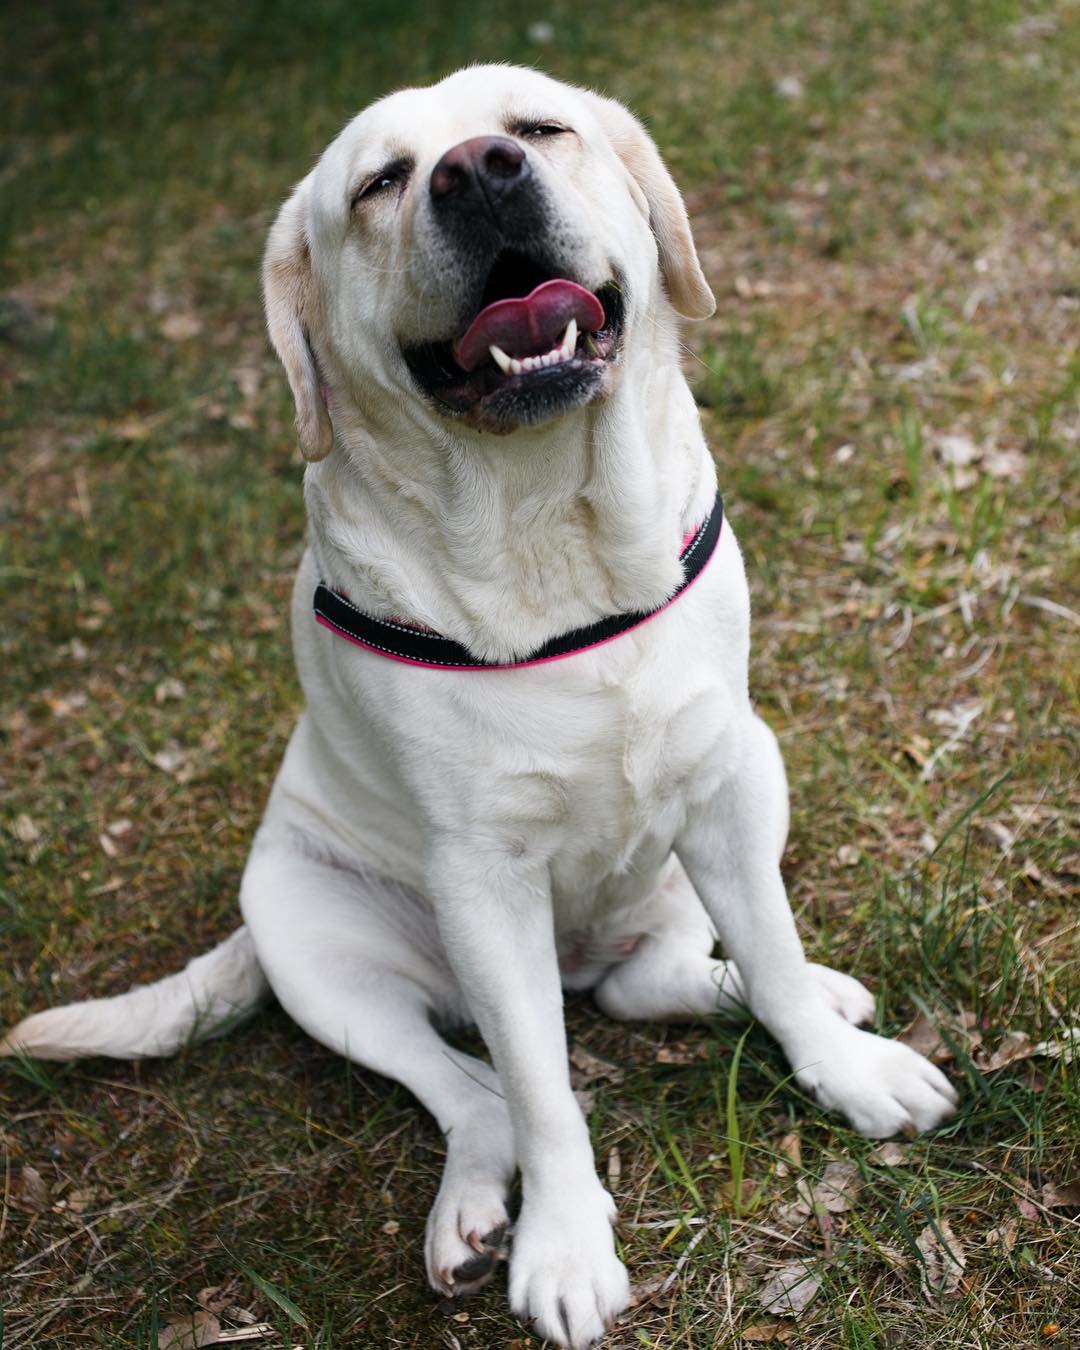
890 1154
213 1298
1066 1196
790 1151
639 1292
892 1257
761 1332
957 451
171 759
201 1328
170 688
592 1067
1003 1236
181 326
1016 1045
26 830
790 1289
64 706
924 1036
614 1168
1004 463
1064 1048
247 379
792 1215
78 1202
678 1052
1013 1045
132 428
789 87
585 1099
32 1192
840 1183
942 1262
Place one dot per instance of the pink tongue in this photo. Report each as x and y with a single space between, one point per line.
530 325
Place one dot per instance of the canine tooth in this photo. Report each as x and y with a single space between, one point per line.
500 358
569 338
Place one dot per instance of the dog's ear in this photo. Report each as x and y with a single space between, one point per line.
679 266
290 298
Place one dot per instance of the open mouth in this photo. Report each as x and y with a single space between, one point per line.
538 345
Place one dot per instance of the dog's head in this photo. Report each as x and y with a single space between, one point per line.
495 243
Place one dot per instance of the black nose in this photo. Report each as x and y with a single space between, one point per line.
479 172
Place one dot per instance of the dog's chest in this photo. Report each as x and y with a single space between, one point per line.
614 760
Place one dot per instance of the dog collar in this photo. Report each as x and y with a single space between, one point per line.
422 647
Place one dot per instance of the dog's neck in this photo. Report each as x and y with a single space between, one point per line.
504 542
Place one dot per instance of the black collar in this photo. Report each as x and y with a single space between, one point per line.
422 647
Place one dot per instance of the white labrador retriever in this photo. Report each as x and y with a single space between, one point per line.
475 295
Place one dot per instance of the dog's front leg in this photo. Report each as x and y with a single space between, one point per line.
728 848
495 917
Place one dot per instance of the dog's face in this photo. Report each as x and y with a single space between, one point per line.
492 244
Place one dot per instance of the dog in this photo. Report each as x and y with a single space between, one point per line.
528 760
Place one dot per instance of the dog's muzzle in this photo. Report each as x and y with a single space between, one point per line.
532 340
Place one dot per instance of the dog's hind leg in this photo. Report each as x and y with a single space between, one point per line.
355 961
672 976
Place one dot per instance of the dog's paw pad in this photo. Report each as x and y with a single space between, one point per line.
475 1272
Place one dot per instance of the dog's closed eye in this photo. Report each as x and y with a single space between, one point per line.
535 131
390 176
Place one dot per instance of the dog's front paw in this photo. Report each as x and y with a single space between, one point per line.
881 1086
564 1273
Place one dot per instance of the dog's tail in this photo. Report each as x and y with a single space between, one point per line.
205 999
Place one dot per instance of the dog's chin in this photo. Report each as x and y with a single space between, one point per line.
491 401
491 397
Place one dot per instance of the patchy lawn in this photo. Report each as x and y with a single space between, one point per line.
886 200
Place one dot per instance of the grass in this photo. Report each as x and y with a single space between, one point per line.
885 199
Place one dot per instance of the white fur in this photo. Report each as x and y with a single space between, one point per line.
435 840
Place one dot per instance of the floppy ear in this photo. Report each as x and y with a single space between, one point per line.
289 294
679 266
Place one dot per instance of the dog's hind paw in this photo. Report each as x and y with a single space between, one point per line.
844 994
881 1086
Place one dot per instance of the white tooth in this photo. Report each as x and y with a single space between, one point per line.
569 340
551 358
515 366
527 363
500 358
